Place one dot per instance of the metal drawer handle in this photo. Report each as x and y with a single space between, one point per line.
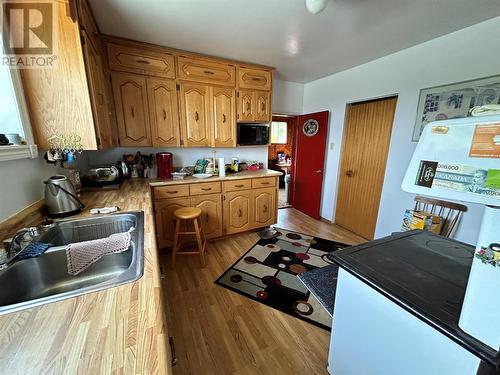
143 62
263 106
132 112
208 72
239 185
256 79
264 183
196 116
172 192
265 208
248 106
164 114
206 189
240 213
223 118
172 350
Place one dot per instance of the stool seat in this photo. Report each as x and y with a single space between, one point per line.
187 213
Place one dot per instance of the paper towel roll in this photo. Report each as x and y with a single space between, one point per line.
222 167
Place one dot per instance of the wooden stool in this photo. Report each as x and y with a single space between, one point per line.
194 214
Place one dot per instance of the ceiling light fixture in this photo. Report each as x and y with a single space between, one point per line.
316 6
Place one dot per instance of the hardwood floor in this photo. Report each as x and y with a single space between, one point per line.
217 331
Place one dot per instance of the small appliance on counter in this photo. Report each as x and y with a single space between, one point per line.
164 163
253 134
61 199
103 173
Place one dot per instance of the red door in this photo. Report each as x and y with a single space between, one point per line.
309 160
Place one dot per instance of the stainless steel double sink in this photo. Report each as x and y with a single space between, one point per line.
44 279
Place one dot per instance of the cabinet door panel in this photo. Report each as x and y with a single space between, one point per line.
262 106
245 106
249 78
195 124
165 221
211 217
131 109
97 90
238 211
264 213
224 117
163 112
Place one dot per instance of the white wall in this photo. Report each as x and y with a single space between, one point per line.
182 156
466 54
21 183
287 97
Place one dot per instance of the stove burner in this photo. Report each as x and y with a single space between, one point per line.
447 248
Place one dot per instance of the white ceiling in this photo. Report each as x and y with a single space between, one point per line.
281 33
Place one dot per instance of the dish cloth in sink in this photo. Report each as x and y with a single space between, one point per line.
80 255
34 249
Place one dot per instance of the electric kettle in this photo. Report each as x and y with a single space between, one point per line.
60 197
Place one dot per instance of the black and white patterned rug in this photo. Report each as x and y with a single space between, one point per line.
267 273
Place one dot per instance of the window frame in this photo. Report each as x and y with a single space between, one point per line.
30 150
270 138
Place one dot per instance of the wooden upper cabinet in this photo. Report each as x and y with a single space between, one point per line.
254 106
163 112
87 23
245 104
211 216
264 203
249 78
200 70
195 115
98 96
224 116
141 61
131 109
262 106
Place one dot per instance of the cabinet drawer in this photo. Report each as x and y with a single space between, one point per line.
140 61
198 70
170 191
204 188
254 79
237 185
263 182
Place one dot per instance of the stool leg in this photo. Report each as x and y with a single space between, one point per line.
205 245
176 240
198 239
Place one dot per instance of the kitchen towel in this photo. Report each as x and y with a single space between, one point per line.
81 255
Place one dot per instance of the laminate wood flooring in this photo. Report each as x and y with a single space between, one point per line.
217 331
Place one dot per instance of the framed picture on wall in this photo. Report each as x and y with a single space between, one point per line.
454 101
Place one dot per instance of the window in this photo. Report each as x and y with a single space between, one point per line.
279 132
14 119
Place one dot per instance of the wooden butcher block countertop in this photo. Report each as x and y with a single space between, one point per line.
228 177
119 330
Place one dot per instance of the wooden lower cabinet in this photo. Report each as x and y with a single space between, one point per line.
164 219
238 211
211 217
264 212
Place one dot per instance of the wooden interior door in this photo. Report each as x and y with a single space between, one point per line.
163 112
195 124
211 217
308 162
131 109
224 116
367 134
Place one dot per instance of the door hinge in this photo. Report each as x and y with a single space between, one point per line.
237 94
224 197
182 142
238 116
98 141
119 143
178 86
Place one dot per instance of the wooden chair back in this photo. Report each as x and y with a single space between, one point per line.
450 212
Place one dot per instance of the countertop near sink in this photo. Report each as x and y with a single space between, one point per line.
120 329
228 177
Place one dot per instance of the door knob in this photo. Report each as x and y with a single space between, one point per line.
319 171
349 173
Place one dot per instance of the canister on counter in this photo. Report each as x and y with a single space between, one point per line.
234 164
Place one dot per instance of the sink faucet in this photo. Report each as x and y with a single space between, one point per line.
17 244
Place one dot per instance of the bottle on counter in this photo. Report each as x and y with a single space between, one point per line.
222 167
235 164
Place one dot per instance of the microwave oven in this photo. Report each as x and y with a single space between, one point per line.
253 134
